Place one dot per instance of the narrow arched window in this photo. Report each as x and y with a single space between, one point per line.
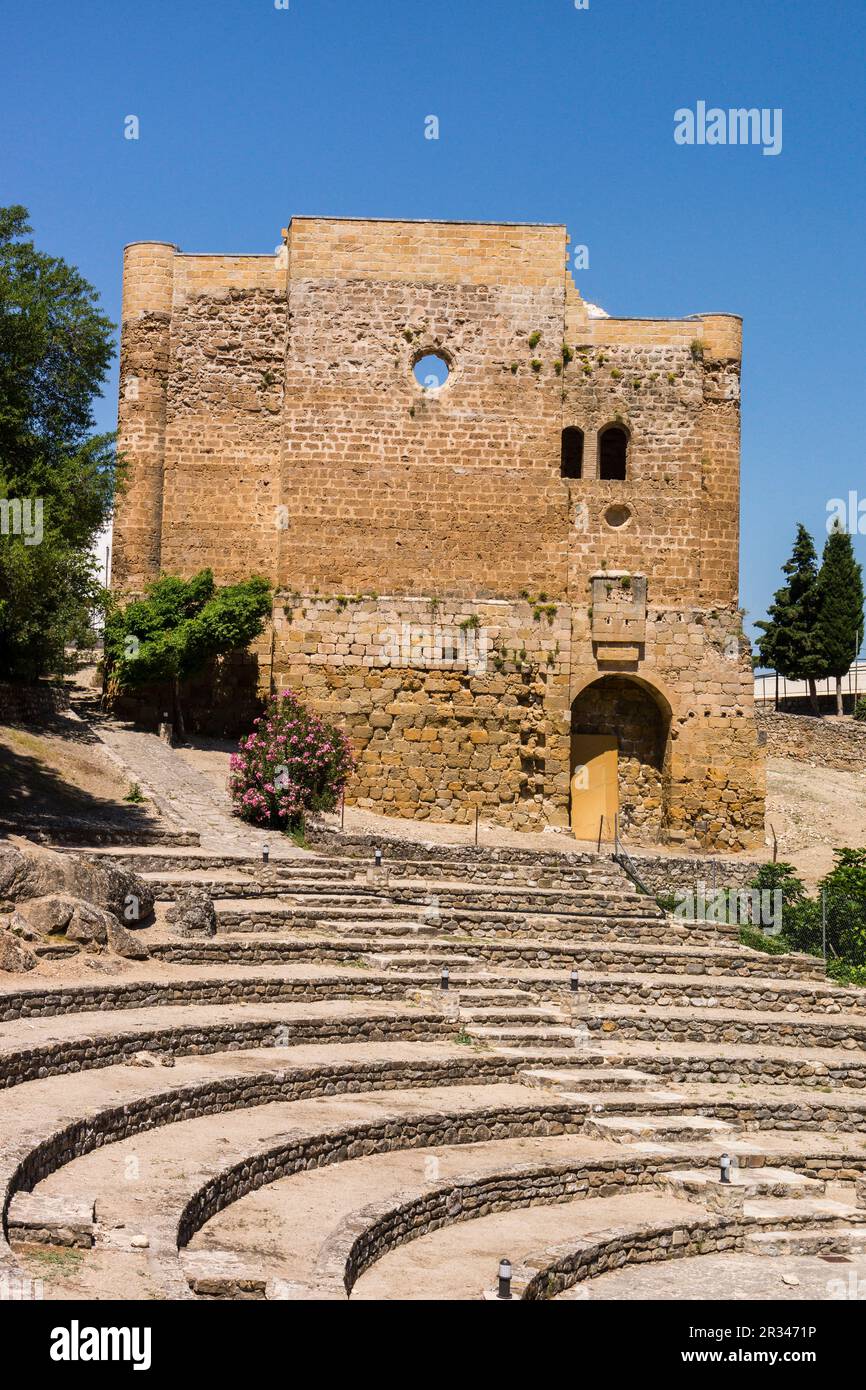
571 456
613 453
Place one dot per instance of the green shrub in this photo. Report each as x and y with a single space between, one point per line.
292 763
860 708
772 945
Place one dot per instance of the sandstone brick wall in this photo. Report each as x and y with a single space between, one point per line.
274 425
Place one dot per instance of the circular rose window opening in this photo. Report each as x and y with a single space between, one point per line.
617 516
431 371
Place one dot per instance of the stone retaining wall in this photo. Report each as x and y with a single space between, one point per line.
666 873
722 1028
594 1177
827 742
31 703
278 919
84 1054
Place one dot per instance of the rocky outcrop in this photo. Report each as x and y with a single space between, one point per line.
30 871
193 914
59 914
65 895
14 955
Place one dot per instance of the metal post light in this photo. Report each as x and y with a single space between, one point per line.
266 853
725 1169
377 858
504 1279
574 981
445 977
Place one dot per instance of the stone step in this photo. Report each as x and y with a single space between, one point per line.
747 1183
720 1026
51 1220
570 1079
663 1129
269 915
554 1035
693 966
223 1274
489 994
839 1240
516 1014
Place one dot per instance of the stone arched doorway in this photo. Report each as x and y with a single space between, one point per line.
620 735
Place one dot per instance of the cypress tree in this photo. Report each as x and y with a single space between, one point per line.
839 625
788 643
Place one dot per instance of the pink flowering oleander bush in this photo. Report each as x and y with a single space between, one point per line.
292 762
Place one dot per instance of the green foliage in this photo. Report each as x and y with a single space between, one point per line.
178 626
788 644
843 923
815 623
534 339
860 708
55 350
842 973
845 897
771 945
839 624
780 876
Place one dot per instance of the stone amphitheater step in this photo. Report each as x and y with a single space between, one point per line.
107 1023
661 1129
597 873
674 1062
400 939
270 916
723 1026
586 1078
702 1185
485 926
484 1016
317 888
57 1220
602 1233
844 1240
167 1180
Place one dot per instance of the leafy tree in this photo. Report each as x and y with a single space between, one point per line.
839 623
177 627
292 762
788 643
836 914
55 350
844 891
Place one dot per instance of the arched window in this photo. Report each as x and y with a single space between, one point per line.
612 453
571 457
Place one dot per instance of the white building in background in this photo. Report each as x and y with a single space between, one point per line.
854 684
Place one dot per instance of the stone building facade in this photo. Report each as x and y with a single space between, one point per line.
516 590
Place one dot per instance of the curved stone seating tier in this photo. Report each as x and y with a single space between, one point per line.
179 1185
295 1107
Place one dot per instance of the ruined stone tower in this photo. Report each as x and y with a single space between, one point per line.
516 589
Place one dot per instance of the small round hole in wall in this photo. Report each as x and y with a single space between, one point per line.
431 371
617 516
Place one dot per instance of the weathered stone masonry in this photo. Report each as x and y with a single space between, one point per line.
443 591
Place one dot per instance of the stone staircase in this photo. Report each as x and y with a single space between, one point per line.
377 1080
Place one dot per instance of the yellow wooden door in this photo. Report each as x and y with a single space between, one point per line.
594 785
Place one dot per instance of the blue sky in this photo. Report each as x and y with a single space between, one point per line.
249 113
